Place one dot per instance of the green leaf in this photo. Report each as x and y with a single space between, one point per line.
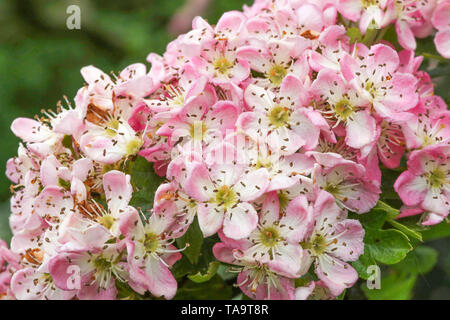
64 183
377 216
214 289
354 34
371 34
362 264
419 261
5 231
393 287
193 239
224 273
145 181
184 267
386 246
390 212
441 230
408 231
212 270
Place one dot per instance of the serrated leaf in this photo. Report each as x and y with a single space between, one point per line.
212 270
193 239
362 264
386 246
419 261
408 231
393 287
391 212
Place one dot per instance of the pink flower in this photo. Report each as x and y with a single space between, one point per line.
375 74
177 93
110 141
33 284
426 182
224 191
441 16
333 42
330 240
364 11
199 124
275 241
99 267
274 62
390 144
343 105
53 173
256 280
314 290
278 119
150 251
347 182
118 193
218 61
185 206
9 264
40 138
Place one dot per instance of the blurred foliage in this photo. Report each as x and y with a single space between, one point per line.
40 61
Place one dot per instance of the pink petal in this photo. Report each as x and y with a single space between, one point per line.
336 274
405 35
161 282
118 190
411 189
350 233
252 185
442 42
240 221
198 182
361 129
210 218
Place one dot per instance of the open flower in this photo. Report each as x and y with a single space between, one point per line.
275 241
279 120
343 105
347 182
376 76
426 183
223 192
330 240
151 251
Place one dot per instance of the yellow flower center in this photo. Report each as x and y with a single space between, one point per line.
107 221
277 74
151 242
343 109
198 130
269 237
222 65
437 178
111 128
133 146
279 116
225 196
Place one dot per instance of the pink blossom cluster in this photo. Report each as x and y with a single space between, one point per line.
269 127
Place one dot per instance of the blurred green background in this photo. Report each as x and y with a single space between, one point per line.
40 61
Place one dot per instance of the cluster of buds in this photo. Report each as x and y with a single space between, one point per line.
268 128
